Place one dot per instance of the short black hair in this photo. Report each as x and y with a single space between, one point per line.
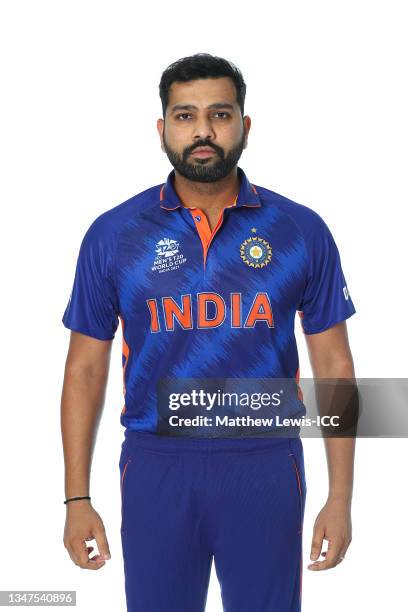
201 66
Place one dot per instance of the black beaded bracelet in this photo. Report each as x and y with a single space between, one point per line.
74 498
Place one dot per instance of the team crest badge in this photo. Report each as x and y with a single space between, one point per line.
256 252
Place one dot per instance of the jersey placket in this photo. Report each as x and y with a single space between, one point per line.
203 227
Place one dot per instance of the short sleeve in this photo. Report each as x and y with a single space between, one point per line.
92 308
326 300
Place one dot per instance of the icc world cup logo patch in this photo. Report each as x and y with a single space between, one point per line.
256 252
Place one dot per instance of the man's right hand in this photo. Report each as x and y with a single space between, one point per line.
84 523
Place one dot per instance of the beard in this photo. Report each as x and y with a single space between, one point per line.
205 170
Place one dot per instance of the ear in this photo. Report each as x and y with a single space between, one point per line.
160 129
247 127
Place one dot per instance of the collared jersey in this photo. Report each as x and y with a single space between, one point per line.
199 303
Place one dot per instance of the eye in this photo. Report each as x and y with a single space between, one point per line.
183 115
222 113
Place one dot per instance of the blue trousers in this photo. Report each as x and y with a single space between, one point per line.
185 502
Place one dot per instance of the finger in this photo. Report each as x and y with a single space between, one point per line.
342 554
80 550
332 556
72 555
96 557
334 553
317 543
103 546
72 549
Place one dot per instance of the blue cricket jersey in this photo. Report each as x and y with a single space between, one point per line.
196 303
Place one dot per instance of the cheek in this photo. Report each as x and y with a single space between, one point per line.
178 137
232 134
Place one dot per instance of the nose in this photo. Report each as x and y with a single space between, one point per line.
203 129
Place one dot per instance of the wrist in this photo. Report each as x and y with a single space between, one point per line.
77 499
340 497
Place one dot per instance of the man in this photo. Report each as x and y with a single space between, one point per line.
205 273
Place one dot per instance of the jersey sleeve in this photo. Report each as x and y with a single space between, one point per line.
326 300
92 308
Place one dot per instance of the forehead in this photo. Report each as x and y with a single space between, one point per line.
202 92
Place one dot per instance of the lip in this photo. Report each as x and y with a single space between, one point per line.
203 152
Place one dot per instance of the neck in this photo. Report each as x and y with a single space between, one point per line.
207 196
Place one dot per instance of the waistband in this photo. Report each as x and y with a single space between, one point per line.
168 444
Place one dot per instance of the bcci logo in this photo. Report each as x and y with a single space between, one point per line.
256 252
168 256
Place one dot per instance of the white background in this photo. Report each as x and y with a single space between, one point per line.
327 96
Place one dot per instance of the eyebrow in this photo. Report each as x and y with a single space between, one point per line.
177 107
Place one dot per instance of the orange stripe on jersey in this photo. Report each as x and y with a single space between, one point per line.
123 475
298 478
125 352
